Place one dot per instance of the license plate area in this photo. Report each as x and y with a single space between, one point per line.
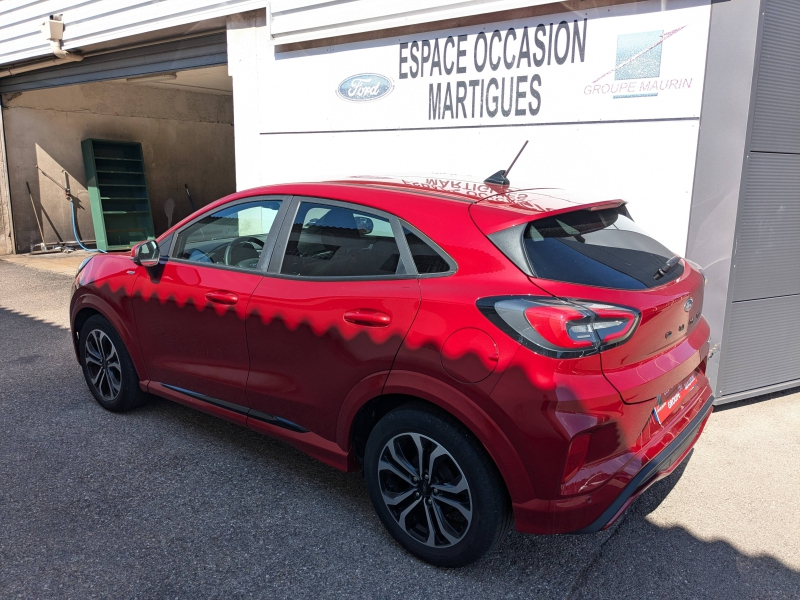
669 402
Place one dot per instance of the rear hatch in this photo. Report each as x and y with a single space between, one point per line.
598 253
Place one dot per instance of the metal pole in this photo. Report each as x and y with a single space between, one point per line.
38 223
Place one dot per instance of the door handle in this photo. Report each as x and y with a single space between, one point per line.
219 297
367 318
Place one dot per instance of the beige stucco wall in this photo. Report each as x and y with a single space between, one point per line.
186 137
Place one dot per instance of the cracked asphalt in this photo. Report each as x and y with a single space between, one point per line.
165 502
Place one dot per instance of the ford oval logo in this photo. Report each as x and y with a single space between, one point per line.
688 305
365 87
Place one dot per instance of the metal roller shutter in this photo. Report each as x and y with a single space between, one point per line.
177 55
776 122
765 347
768 242
761 345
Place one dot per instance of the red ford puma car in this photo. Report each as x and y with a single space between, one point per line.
488 355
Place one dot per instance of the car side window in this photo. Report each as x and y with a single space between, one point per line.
333 241
426 259
234 236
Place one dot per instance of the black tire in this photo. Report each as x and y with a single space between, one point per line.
108 367
461 535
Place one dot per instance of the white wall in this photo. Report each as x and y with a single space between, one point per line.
95 21
291 126
606 160
90 22
301 20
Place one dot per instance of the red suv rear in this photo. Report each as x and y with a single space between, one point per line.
486 355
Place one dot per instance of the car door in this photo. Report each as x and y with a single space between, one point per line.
190 311
341 294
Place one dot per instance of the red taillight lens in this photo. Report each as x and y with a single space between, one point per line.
561 328
576 456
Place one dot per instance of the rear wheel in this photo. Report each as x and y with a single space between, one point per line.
108 367
434 487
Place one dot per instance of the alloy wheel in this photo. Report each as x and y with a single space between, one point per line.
425 490
103 364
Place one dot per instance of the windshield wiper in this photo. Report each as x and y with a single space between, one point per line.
667 267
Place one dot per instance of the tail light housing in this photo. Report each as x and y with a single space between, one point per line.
561 328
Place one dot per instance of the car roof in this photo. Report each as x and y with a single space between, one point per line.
492 207
473 189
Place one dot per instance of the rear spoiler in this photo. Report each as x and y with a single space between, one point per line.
500 212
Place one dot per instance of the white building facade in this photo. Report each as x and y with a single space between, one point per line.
684 108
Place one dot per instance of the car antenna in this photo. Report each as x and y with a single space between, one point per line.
501 177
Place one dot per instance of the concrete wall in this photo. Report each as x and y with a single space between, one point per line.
186 137
6 229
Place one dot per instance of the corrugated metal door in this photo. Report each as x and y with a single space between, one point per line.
761 346
177 55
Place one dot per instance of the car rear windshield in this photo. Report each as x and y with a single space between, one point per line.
602 248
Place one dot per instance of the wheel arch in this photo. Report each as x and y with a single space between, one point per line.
89 305
359 418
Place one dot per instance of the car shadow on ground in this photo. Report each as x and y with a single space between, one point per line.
167 501
633 559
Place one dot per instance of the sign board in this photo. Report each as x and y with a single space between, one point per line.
618 63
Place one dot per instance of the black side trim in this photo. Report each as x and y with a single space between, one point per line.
229 405
279 421
271 419
663 461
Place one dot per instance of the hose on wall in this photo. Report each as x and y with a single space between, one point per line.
71 199
75 230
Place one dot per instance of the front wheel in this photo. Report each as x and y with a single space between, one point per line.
434 487
108 367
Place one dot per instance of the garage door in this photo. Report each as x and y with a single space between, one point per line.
177 55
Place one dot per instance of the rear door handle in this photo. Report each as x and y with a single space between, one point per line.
367 318
220 297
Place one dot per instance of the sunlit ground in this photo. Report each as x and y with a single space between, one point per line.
742 485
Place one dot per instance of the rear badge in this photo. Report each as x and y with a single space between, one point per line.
665 407
688 305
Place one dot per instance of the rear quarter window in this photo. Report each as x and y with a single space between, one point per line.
426 260
602 248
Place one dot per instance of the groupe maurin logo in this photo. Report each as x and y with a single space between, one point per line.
637 73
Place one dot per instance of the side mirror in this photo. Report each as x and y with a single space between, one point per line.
146 254
365 225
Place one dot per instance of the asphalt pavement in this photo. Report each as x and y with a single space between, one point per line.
166 502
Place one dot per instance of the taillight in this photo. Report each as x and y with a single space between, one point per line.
561 328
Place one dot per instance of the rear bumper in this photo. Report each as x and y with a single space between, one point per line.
659 467
599 508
